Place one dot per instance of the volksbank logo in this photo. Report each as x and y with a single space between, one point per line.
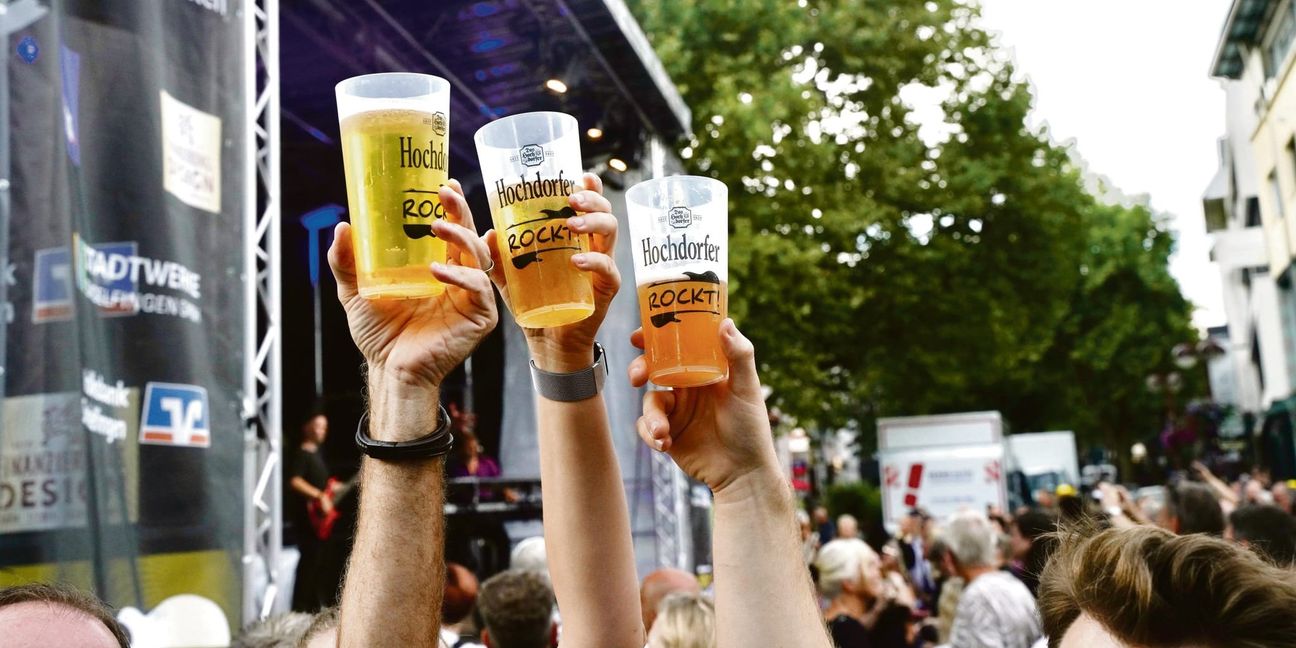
52 285
176 415
531 155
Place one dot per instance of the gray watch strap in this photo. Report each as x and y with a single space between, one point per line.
575 386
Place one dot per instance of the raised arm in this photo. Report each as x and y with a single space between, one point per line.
720 435
395 581
586 521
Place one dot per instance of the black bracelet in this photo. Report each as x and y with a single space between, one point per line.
435 444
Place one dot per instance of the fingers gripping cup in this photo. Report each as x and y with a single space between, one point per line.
394 129
530 164
679 228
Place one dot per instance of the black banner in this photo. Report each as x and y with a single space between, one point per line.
121 444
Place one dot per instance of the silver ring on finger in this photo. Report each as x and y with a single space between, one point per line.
490 267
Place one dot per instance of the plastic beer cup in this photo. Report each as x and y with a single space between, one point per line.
679 230
531 163
394 149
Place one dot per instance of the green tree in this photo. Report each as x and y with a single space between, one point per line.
901 241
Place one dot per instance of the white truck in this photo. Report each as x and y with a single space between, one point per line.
942 464
1041 461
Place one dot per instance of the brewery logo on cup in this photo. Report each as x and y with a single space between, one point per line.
413 156
679 217
439 123
175 415
698 294
531 155
669 249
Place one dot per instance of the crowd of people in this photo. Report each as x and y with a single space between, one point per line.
982 579
1078 572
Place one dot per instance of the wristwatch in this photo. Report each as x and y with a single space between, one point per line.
575 386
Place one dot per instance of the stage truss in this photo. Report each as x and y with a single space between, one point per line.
262 376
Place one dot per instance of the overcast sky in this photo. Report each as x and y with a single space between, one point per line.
1128 79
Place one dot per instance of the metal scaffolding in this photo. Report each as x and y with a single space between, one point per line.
262 377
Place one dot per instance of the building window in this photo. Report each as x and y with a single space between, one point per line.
1280 40
1291 155
1275 189
1252 211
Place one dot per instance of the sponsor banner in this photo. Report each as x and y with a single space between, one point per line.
43 475
127 150
191 148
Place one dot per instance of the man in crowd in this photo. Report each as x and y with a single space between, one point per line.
516 610
995 609
41 616
279 631
658 585
847 527
1191 508
824 525
1143 586
1267 530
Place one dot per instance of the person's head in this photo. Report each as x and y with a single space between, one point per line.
660 584
1267 530
971 540
466 447
684 620
1149 588
460 594
803 523
516 608
1191 508
1028 527
323 630
820 515
849 567
530 554
279 631
938 554
1282 495
41 615
315 429
847 527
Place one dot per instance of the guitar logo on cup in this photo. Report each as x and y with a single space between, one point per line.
439 123
531 155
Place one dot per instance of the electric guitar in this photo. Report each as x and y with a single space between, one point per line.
321 522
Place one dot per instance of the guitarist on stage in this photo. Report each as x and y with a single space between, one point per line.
308 479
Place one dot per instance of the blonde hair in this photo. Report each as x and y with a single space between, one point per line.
840 562
684 620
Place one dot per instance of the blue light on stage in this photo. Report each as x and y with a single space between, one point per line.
480 75
487 45
315 221
483 9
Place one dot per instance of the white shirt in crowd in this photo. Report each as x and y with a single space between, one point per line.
996 611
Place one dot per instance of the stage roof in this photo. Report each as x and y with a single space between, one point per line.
497 55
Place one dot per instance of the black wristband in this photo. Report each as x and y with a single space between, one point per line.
435 444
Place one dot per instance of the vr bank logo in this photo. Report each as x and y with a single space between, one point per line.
175 415
52 285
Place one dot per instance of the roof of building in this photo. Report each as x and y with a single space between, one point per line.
1245 23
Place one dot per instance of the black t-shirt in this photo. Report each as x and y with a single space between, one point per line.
309 465
848 633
